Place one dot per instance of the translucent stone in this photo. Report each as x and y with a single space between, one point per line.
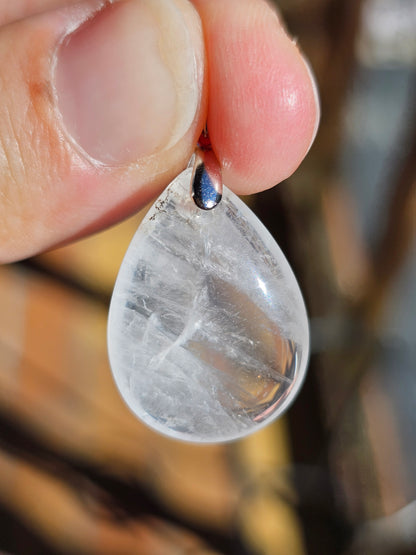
208 334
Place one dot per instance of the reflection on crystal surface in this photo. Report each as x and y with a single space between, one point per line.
208 335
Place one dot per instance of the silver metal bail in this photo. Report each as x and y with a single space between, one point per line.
206 182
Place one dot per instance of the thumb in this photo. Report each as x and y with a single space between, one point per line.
101 108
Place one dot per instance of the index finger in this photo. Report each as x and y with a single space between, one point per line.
263 109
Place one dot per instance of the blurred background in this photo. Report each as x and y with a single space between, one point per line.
337 474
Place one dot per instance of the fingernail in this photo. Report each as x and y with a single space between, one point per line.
127 81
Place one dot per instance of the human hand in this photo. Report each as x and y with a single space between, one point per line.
102 104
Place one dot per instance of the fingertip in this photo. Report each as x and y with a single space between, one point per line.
263 104
74 155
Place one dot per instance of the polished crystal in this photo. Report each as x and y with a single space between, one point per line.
208 334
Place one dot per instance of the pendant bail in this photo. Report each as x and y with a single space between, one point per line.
206 181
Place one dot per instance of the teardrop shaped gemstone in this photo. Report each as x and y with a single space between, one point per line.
208 335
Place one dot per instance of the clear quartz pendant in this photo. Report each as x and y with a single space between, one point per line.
208 335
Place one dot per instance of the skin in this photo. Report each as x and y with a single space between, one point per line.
252 85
